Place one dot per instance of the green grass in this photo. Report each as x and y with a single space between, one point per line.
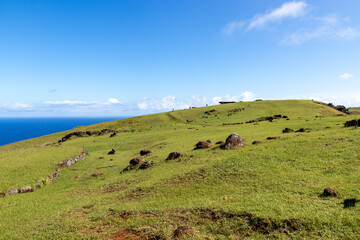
223 194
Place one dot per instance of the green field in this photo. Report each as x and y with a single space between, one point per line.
268 190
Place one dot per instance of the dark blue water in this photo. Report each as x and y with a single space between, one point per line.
17 129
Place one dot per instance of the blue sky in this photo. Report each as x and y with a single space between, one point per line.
108 58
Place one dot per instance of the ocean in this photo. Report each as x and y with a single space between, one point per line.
18 129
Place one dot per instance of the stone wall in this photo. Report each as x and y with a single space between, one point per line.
49 179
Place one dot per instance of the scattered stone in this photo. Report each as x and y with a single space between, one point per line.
192 155
327 127
136 161
113 134
96 174
13 191
2 194
37 186
111 159
304 129
287 130
220 142
257 142
145 152
233 141
174 155
183 231
340 108
203 145
225 198
352 123
77 177
271 138
329 192
146 165
284 116
112 152
26 189
350 202
106 131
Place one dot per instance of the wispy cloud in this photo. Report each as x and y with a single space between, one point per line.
346 76
287 10
165 103
325 27
309 28
245 96
292 9
349 99
233 26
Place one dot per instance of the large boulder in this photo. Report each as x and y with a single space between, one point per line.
203 145
329 192
146 165
352 123
136 161
233 141
174 155
145 152
26 189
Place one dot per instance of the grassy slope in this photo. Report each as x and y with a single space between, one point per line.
277 180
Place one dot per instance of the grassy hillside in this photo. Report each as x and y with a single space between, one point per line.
268 190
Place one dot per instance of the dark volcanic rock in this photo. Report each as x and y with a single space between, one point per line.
271 138
113 134
329 192
352 123
183 231
174 155
146 165
136 161
203 145
112 152
257 142
96 174
106 131
145 152
233 141
220 142
37 186
26 189
287 130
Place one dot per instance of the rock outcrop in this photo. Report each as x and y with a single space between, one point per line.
233 141
203 145
174 155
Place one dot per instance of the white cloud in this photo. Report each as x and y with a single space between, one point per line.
310 28
245 96
346 76
349 99
233 26
17 106
113 100
347 33
292 9
66 102
166 103
325 27
199 100
287 10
